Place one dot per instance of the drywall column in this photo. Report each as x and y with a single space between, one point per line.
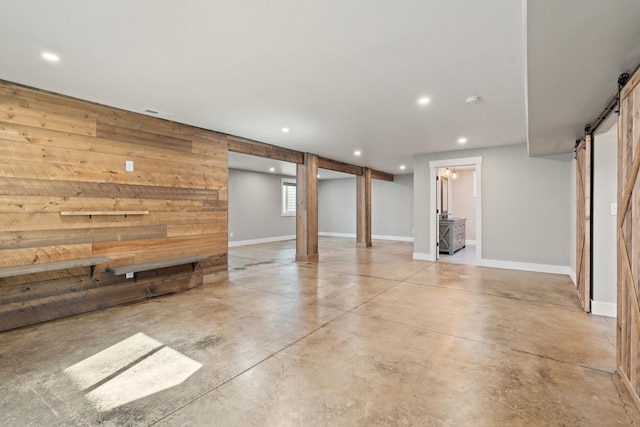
307 209
363 222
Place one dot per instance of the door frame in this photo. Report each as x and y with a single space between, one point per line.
434 165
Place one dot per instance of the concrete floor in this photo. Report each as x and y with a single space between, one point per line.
366 337
466 255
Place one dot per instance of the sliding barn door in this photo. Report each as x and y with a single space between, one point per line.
583 222
629 237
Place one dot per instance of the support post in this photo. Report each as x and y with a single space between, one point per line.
307 209
363 222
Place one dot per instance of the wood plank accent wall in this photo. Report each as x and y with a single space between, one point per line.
59 154
628 319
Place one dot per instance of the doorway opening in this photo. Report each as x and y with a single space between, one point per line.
455 210
604 219
261 209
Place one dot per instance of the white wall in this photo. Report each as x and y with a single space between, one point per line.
525 206
254 208
605 190
463 204
337 206
391 207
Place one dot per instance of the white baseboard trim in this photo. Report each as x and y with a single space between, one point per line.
322 233
258 241
330 234
572 274
423 257
396 238
471 242
525 266
608 309
373 236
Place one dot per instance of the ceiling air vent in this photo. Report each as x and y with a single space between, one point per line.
156 113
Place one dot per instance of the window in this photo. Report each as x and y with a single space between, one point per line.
288 197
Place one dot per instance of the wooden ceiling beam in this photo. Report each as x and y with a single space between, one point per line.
260 149
381 175
334 165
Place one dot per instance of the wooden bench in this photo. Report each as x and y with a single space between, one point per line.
51 266
135 268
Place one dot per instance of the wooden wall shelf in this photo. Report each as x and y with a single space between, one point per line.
102 213
135 268
51 266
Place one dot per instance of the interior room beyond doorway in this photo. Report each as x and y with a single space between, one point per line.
457 219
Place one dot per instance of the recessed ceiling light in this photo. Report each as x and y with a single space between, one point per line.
357 152
50 56
272 169
285 130
462 140
424 100
402 167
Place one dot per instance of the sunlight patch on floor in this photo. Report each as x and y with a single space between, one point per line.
136 367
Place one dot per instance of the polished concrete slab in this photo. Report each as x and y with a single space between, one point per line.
466 255
365 337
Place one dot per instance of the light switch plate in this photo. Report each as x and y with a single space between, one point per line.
128 165
614 208
129 275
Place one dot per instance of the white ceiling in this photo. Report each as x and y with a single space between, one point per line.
576 50
341 75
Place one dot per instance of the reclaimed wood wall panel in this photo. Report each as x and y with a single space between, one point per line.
212 155
45 187
628 319
37 238
43 204
40 119
59 154
14 257
141 137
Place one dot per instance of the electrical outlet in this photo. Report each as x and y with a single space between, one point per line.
129 275
614 209
128 165
231 234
